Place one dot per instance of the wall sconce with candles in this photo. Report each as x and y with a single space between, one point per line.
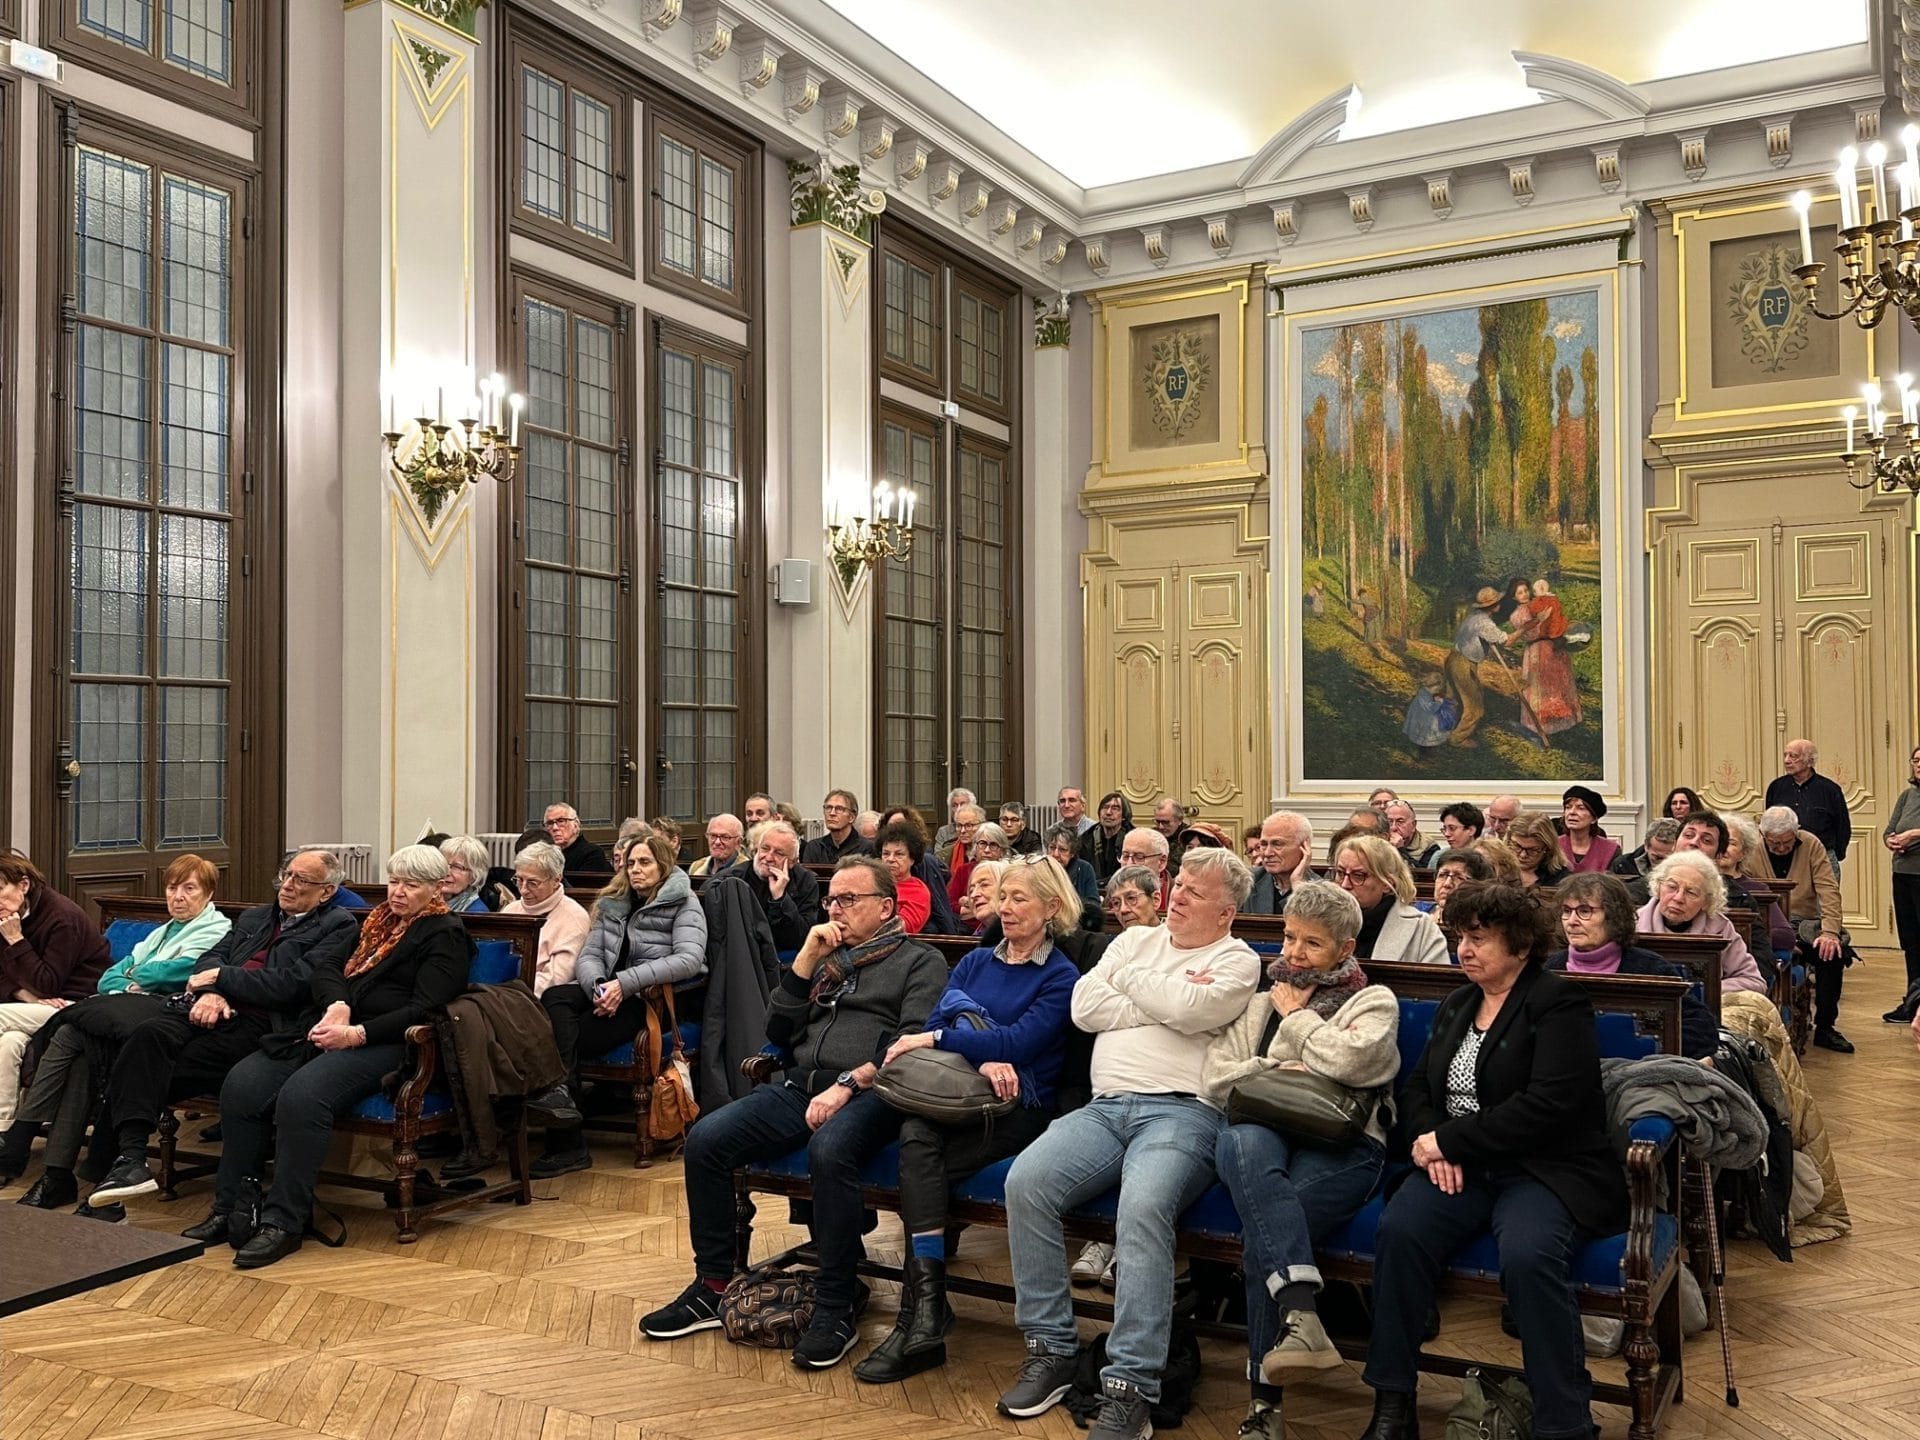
434 455
863 530
1892 446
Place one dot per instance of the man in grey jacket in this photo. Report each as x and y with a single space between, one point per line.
859 983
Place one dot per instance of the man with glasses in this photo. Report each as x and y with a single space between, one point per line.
253 983
958 799
1073 809
837 812
725 835
1149 849
1502 811
788 893
1283 853
859 983
586 861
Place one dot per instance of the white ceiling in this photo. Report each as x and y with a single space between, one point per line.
1126 89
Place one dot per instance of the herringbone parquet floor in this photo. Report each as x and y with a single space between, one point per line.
517 1322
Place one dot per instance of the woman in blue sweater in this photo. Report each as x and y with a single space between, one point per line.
1023 988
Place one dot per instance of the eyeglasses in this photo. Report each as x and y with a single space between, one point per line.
1138 857
840 902
289 877
836 809
1579 912
1351 877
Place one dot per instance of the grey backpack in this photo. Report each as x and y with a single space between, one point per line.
939 1085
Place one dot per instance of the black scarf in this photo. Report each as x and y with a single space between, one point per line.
1331 988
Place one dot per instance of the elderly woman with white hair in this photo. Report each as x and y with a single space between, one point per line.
540 871
976 906
987 841
412 958
1690 898
466 873
1743 861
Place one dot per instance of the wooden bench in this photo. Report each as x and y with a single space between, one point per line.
506 946
1698 955
1632 1276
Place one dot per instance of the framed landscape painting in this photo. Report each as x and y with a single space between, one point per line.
1453 495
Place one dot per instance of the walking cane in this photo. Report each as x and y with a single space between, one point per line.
1717 1262
1520 693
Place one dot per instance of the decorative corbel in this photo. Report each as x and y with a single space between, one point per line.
759 63
943 178
1001 215
1606 167
839 111
1098 258
974 194
713 27
1693 154
799 88
1520 180
876 136
1440 194
1779 133
1866 123
1053 249
910 157
1219 233
1360 207
658 16
1027 233
1053 321
1287 215
1155 239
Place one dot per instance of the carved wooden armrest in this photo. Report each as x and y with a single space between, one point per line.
759 1069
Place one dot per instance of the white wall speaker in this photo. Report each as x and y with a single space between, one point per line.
793 582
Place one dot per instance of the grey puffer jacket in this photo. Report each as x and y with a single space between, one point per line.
663 942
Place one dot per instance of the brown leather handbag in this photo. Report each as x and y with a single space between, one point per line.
672 1108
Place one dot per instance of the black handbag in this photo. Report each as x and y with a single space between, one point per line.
1306 1108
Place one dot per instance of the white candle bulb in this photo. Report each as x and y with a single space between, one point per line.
1849 414
516 404
1803 202
1877 166
913 497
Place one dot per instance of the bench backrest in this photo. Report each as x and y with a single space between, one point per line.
1698 955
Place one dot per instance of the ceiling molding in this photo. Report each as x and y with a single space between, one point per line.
1559 79
1313 126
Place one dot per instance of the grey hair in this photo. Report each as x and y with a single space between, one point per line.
572 814
1667 831
1701 866
1231 870
1061 835
1138 876
1778 820
1013 808
336 867
543 857
960 810
1158 842
423 863
1749 833
992 869
1322 903
632 828
960 792
773 826
992 834
1302 827
469 850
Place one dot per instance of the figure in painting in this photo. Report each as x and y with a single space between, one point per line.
1552 701
1430 714
1471 642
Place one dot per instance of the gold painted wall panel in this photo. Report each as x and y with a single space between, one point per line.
1221 730
1724 572
1142 724
1728 675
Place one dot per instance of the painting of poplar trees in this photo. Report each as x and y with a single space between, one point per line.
1447 457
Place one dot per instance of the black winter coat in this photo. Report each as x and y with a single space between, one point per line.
424 971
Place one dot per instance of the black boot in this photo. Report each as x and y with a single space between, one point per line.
1395 1417
932 1315
16 1150
888 1362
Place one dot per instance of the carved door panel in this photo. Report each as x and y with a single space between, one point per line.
1723 733
1143 637
1217 730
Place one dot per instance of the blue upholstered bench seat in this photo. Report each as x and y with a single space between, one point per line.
624 1054
378 1107
123 935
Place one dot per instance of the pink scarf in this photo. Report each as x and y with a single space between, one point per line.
1604 961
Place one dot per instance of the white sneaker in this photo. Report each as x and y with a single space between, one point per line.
1095 1265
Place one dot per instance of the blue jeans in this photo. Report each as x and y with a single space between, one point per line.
1424 1229
1159 1150
1290 1198
764 1125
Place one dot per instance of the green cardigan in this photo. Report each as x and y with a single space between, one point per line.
164 958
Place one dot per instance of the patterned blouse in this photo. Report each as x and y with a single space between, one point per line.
1463 1090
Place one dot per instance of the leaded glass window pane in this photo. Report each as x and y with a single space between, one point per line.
195 268
716 224
200 37
676 405
542 131
130 22
719 418
193 597
111 421
677 215
115 237
592 167
547 632
546 470
593 381
593 773
680 649
193 765
969 334
110 746
548 773
194 428
893 302
546 327
679 524
594 517
596 670
920 317
110 587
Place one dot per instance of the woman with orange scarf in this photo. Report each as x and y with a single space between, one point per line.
412 958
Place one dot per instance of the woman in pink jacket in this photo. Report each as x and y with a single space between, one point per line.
1690 898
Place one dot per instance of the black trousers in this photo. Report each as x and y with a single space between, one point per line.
1906 920
169 1057
1827 975
578 1031
933 1157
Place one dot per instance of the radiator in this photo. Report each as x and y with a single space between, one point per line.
499 847
356 860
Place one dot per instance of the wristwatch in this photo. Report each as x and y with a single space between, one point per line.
845 1077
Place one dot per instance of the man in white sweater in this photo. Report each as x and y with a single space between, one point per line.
1154 1002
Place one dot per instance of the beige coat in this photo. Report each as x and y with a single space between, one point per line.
1816 894
1359 1046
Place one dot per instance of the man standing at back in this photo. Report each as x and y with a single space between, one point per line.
1820 804
1158 996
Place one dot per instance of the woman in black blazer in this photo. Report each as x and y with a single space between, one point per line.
1509 1126
413 957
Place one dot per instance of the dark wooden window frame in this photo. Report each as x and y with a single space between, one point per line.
256 718
552 54
975 285
9 338
892 243
888 412
241 101
709 141
1012 545
9 25
751 762
523 282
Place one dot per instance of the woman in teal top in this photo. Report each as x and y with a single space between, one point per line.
161 962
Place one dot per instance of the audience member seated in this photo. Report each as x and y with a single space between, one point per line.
1635 865
255 979
631 829
1023 990
725 836
958 852
758 810
584 858
466 873
1022 839
1283 861
1170 820
1597 916
1690 898
1403 829
945 837
1319 1015
1536 846
412 957
1502 811
902 847
1100 846
1800 857
788 892
837 812
540 872
1064 846
1582 846
1072 803
1250 847
1369 821
976 906
1198 835
859 984
984 842
1744 864
1461 823
1511 1134
1381 798
1451 870
667 826
789 812
1147 848
1499 854
928 871
867 825
1705 832
1391 928
1682 803
1133 896
648 930
50 955
1154 1001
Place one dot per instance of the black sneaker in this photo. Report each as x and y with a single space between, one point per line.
113 1213
698 1308
128 1177
553 1106
560 1162
1044 1378
54 1190
1123 1414
1900 1015
210 1231
1833 1040
827 1342
269 1244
